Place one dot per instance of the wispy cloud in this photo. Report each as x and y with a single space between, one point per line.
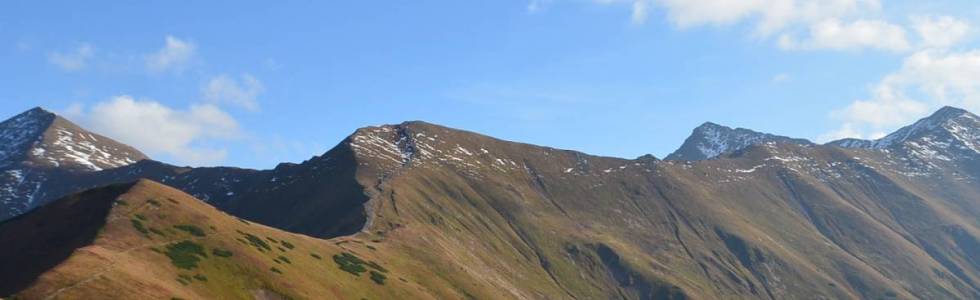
228 90
161 130
73 60
175 55
927 80
834 34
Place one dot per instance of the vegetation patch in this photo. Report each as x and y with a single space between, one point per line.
173 201
285 259
185 254
157 231
200 277
274 241
273 269
184 279
376 266
288 245
256 242
138 225
372 248
378 277
123 203
221 252
153 202
244 221
141 217
193 230
314 255
350 263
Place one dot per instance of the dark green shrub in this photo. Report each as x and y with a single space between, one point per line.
288 245
314 255
257 242
157 231
221 253
285 259
193 230
141 217
200 277
139 226
185 254
184 279
273 269
350 263
378 277
376 266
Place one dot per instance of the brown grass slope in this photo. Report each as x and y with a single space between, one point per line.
149 241
510 220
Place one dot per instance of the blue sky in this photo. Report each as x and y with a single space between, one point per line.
227 83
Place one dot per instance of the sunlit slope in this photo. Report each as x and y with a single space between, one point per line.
148 241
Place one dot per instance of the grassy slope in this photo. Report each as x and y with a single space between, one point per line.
614 228
123 263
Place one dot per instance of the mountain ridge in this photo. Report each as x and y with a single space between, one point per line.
489 218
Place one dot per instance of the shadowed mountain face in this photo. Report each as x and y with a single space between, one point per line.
711 140
486 218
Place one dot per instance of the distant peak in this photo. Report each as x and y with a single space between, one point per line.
711 125
940 121
948 112
710 140
35 113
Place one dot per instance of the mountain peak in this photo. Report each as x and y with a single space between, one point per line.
710 140
947 112
41 138
951 123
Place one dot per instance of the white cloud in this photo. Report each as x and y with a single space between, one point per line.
860 34
174 56
641 11
159 129
781 78
807 24
926 81
225 89
74 60
940 31
534 6
770 15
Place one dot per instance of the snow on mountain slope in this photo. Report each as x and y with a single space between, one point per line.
39 152
20 132
711 140
959 124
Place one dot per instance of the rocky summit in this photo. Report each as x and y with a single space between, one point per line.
40 152
421 211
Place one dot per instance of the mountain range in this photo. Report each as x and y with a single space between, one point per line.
417 210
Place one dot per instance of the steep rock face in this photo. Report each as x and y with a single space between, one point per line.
40 152
711 140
